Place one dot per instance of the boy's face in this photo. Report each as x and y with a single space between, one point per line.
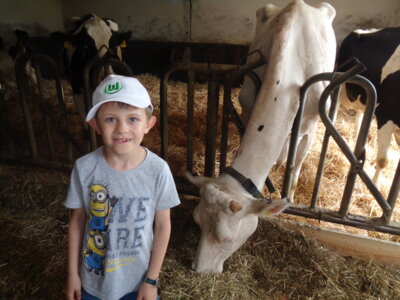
122 127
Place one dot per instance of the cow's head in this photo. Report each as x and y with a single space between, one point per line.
89 37
226 218
94 35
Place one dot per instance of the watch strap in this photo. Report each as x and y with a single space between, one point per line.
153 282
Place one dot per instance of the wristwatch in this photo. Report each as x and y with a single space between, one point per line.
153 282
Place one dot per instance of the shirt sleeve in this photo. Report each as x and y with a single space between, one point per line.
167 195
74 197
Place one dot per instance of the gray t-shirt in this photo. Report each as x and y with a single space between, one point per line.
120 207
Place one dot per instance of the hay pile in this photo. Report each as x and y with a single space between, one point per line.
273 264
336 166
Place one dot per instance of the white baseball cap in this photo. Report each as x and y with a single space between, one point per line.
119 88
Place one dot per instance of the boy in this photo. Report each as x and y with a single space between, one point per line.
116 194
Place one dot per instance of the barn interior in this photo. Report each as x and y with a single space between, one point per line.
276 262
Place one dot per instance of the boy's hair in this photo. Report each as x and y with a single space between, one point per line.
122 89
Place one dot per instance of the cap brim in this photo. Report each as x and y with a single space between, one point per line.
92 112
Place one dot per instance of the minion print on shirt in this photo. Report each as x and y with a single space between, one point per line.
94 253
101 206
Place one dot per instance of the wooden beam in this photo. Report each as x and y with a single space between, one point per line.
347 244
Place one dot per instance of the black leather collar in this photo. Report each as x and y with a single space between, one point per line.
247 183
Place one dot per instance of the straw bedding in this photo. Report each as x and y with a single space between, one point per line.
273 264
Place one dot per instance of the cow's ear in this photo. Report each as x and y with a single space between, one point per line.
328 10
263 208
235 206
198 181
265 12
122 37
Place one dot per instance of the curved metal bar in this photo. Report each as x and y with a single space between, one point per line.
63 116
324 149
356 159
296 129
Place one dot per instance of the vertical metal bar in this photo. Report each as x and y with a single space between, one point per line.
87 98
359 150
39 83
287 180
164 109
20 64
225 125
324 149
164 115
63 109
393 193
190 119
211 130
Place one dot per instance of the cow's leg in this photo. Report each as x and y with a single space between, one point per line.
358 119
303 148
397 136
284 154
247 99
384 137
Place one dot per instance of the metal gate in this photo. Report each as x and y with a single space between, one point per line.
44 136
227 76
54 118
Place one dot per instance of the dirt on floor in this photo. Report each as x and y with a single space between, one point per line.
273 264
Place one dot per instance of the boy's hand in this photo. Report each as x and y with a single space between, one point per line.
74 287
147 292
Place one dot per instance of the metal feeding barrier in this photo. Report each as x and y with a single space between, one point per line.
228 76
54 115
44 147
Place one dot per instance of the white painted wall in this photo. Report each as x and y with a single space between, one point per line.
216 21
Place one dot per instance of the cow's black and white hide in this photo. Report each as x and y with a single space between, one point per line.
379 51
90 37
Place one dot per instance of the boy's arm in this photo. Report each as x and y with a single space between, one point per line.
76 228
162 231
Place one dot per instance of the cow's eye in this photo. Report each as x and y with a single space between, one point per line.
227 240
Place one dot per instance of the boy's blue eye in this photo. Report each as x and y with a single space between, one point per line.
133 119
110 119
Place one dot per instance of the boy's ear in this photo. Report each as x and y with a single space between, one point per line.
150 123
93 124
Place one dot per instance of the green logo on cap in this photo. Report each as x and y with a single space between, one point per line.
112 88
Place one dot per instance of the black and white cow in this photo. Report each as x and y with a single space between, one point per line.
379 51
10 51
7 74
91 36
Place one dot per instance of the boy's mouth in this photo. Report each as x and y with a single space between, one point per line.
122 141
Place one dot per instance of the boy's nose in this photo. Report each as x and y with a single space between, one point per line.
122 127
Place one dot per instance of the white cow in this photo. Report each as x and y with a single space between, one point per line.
298 42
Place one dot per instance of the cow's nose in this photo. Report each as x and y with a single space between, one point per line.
216 269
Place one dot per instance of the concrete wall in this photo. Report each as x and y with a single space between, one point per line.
209 21
38 17
222 21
